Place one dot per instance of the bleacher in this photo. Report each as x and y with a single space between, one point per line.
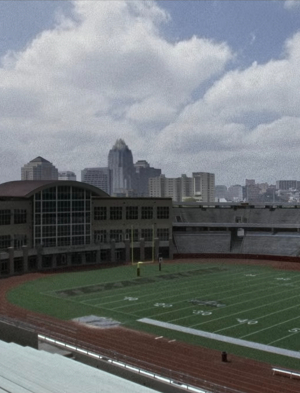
271 244
211 242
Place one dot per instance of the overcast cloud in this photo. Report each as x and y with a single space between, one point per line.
108 71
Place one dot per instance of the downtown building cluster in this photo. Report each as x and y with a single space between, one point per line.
124 178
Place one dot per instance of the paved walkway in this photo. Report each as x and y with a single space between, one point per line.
226 339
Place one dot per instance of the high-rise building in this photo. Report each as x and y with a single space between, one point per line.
39 169
143 174
98 177
200 186
286 184
220 192
66 175
120 162
235 193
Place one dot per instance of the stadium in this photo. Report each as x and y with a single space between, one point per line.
171 296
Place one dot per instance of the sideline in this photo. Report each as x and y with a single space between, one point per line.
226 339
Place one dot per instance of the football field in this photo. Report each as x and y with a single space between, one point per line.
256 304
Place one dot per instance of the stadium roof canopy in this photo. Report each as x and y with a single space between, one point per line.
26 188
24 369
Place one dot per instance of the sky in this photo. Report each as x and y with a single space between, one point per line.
190 86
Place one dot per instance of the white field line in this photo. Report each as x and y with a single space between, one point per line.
263 316
282 338
226 339
237 304
167 284
271 327
157 293
168 299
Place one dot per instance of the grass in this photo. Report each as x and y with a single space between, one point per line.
253 303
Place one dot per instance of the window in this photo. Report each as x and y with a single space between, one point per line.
78 229
163 233
100 236
116 213
116 234
147 234
163 212
132 213
20 216
5 217
4 241
19 241
78 218
130 232
49 194
49 206
49 219
77 206
147 212
100 213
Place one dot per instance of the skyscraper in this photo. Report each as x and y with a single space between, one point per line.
143 173
98 177
39 169
120 162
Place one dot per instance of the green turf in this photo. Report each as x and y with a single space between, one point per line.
253 303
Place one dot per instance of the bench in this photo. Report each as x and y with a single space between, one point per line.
285 373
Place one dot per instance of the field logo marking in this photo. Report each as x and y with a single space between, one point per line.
201 312
282 279
164 305
248 321
294 330
131 299
250 275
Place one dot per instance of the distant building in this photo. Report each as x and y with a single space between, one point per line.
66 175
286 184
200 186
220 192
120 162
235 193
143 173
249 182
39 169
98 177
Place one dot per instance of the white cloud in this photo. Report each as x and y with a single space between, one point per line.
291 4
106 73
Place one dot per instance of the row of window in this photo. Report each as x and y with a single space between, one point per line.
61 206
17 241
63 241
20 216
131 212
61 218
62 193
103 236
61 230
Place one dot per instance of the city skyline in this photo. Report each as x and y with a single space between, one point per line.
188 84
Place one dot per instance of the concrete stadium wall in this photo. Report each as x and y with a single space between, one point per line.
18 334
282 258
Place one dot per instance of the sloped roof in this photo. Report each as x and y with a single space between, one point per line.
26 188
39 159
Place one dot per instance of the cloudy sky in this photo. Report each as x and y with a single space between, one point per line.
208 86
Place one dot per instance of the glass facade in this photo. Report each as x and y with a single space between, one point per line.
62 216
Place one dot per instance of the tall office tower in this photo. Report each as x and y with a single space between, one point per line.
204 186
66 175
200 186
143 174
98 177
39 169
120 162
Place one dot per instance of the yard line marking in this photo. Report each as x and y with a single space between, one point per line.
249 309
282 338
270 327
158 338
226 339
263 316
